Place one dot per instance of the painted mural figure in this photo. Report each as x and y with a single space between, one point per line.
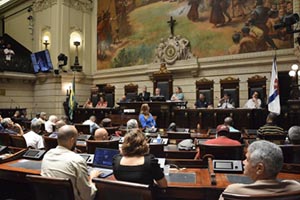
216 17
259 18
193 14
104 31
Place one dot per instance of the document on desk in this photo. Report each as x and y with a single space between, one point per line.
181 177
27 164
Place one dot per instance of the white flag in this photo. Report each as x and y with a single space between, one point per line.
274 101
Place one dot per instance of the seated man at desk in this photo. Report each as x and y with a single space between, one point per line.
254 102
270 127
294 134
201 101
262 164
92 122
33 138
226 102
101 134
64 163
144 95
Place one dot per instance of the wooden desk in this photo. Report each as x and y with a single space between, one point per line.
13 178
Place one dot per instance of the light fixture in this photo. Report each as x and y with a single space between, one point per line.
46 41
294 73
76 66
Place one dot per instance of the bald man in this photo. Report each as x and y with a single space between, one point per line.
101 134
64 163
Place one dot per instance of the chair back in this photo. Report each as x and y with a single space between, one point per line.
50 188
82 128
18 141
112 130
291 153
49 142
157 150
91 145
275 138
222 152
178 135
5 139
113 189
275 196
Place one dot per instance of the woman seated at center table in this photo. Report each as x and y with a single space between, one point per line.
135 164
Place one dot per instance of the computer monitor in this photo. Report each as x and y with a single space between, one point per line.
41 61
158 98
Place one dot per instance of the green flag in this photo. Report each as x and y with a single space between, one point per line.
72 100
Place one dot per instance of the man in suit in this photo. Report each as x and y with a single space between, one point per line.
262 164
226 102
144 96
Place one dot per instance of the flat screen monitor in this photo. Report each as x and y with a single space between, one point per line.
158 98
41 61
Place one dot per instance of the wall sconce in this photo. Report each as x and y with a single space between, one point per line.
76 66
294 73
46 41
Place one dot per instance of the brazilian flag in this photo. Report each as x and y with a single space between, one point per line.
72 100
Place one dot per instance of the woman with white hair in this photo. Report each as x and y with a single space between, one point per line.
50 123
262 164
132 124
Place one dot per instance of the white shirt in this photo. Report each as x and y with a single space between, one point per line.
34 140
49 126
92 124
63 163
253 104
8 54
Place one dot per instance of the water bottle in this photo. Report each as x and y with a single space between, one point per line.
158 139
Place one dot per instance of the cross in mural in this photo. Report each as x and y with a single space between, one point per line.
172 23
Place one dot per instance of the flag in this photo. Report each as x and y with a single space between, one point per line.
72 101
274 101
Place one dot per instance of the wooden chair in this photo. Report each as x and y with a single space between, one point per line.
275 196
206 87
275 138
131 91
112 130
50 188
163 79
49 142
113 189
109 92
91 145
18 141
222 152
231 86
258 83
291 153
5 139
157 150
85 129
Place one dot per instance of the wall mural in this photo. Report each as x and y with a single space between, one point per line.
133 32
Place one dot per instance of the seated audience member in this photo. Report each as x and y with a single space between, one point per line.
124 99
146 119
254 102
88 103
135 164
157 92
58 125
102 103
228 121
92 123
50 123
201 102
226 102
262 164
33 137
43 117
270 127
106 122
144 95
66 119
101 134
37 116
222 133
17 117
64 163
132 124
294 134
178 96
11 127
